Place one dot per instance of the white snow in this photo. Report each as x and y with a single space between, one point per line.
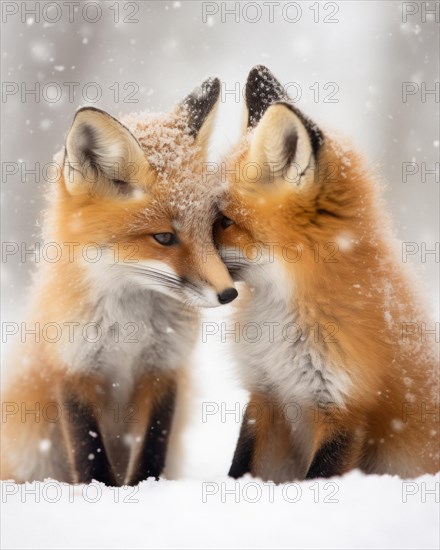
352 512
44 445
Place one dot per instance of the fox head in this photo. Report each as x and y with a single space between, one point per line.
290 189
134 190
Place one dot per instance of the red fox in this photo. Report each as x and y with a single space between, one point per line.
337 382
97 401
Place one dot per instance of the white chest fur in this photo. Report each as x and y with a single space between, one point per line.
283 356
128 333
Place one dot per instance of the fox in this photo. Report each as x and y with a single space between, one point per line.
343 377
96 400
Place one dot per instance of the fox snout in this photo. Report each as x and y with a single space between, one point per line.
214 272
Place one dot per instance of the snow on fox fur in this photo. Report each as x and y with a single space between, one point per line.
133 202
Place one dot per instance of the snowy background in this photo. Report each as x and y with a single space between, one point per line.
348 62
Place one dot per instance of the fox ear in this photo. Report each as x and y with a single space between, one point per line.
200 106
100 153
281 145
262 90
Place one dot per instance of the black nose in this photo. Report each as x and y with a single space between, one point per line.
227 295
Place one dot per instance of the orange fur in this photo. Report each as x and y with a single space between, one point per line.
363 290
149 181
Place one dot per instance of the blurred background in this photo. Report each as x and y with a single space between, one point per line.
364 69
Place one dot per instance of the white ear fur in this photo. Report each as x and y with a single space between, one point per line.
281 145
97 147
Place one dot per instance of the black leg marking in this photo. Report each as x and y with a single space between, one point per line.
244 451
331 459
152 456
90 456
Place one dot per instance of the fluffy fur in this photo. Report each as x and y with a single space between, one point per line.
365 393
126 305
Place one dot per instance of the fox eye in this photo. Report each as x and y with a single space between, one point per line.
165 239
225 222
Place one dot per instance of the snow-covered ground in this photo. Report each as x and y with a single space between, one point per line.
355 511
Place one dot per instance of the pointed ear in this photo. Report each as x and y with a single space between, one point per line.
101 154
262 90
200 106
281 145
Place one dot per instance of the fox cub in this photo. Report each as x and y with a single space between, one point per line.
336 379
97 401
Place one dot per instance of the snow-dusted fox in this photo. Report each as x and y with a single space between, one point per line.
343 374
116 317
